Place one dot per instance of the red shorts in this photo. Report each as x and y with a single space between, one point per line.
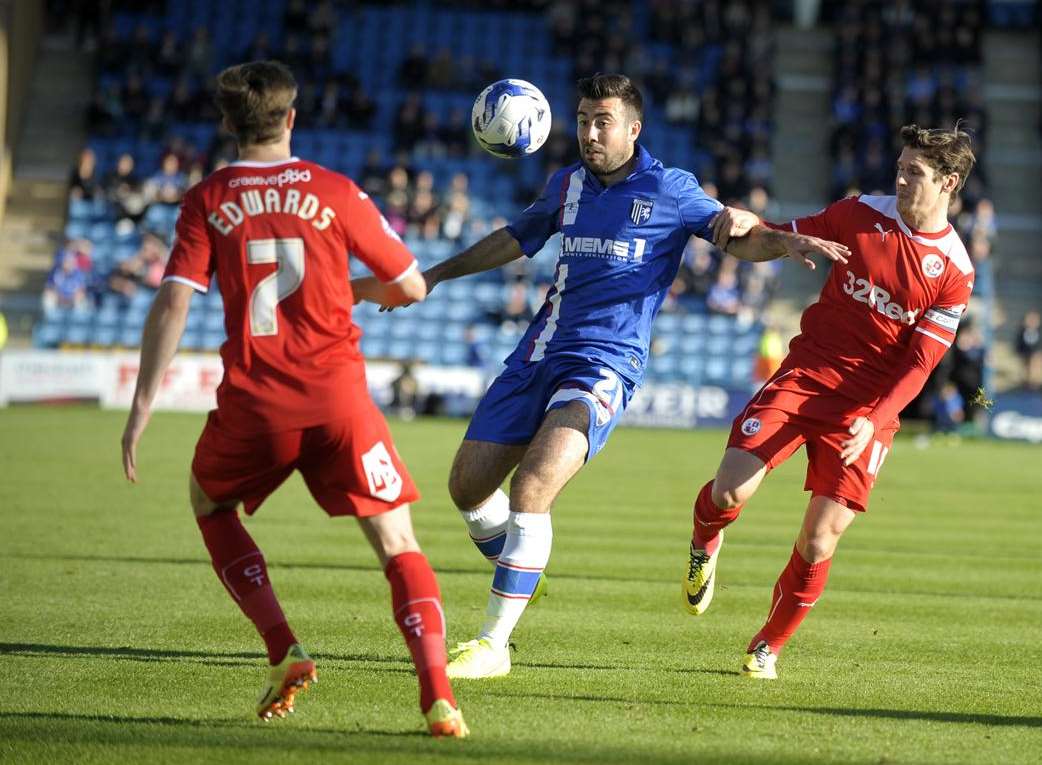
350 466
792 409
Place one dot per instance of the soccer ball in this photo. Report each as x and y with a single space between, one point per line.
511 118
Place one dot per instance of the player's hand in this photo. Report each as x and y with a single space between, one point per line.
805 247
861 432
136 422
362 288
731 222
432 281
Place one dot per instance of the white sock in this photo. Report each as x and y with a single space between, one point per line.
525 554
487 525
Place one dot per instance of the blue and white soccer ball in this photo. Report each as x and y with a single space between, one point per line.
511 118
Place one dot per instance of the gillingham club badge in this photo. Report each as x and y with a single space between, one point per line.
640 212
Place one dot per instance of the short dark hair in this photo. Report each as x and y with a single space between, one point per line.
255 99
946 151
601 86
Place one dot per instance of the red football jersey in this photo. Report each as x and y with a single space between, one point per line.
277 235
897 282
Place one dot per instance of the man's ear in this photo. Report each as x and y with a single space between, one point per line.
635 127
291 118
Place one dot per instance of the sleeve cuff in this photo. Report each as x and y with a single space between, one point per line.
190 282
412 267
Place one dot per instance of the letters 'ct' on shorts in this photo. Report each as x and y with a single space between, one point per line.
791 410
350 466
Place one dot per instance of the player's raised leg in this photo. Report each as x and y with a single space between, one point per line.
478 472
718 504
556 453
244 573
416 601
800 584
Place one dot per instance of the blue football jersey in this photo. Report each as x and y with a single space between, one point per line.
621 248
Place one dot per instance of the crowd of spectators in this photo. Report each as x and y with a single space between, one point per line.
152 81
917 62
896 64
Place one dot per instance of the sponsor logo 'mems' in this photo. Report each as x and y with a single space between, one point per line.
604 248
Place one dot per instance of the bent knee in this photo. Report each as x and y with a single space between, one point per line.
462 491
727 496
202 505
816 549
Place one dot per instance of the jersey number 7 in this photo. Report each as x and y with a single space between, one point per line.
277 286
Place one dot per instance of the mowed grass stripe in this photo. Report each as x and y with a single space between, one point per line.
118 644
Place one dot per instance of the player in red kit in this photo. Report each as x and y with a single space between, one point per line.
882 323
276 232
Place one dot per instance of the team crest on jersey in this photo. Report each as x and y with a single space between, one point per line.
751 426
384 481
933 265
640 212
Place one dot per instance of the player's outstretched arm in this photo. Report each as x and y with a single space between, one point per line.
495 250
163 330
410 289
763 243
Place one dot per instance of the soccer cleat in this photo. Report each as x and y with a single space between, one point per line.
289 676
445 721
759 663
540 590
477 659
701 579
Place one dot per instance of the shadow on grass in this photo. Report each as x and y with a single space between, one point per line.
964 718
254 659
242 658
213 722
290 566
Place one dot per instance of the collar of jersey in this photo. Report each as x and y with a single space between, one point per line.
923 234
644 162
250 163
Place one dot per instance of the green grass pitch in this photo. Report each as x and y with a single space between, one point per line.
117 643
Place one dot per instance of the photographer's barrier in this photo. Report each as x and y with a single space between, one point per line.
190 384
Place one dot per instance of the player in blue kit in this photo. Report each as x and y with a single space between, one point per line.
624 220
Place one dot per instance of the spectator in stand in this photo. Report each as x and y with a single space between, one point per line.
414 68
769 355
82 251
168 185
66 286
456 135
948 409
724 296
454 216
360 108
409 123
373 177
200 54
133 98
515 313
405 390
476 351
83 182
1029 348
441 72
143 269
699 268
169 58
968 358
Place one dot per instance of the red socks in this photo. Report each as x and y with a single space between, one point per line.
798 588
710 520
243 572
418 613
